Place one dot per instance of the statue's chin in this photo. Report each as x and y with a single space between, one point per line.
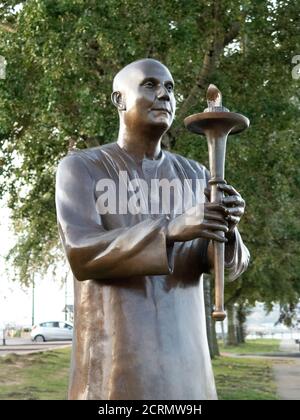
162 122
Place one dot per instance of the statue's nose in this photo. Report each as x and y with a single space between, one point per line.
163 93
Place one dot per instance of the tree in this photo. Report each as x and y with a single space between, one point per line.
231 326
241 317
62 56
210 323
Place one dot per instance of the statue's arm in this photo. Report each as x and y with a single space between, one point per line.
94 252
237 256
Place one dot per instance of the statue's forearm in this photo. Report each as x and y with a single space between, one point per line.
119 253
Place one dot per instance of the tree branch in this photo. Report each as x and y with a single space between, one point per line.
209 62
233 299
7 28
90 141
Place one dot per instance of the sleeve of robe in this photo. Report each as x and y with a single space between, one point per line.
237 256
92 251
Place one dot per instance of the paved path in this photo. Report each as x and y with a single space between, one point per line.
287 372
21 346
286 367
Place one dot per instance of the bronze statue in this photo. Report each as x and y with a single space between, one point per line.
139 311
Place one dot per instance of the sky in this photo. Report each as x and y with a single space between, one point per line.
16 301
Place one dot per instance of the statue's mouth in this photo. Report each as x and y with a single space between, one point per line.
162 110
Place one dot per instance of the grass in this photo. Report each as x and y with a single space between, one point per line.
244 379
44 376
253 347
37 376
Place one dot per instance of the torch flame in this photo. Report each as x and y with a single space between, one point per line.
213 97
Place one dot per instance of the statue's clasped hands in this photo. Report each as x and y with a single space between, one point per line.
216 218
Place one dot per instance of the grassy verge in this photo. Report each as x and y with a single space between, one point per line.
38 376
253 347
244 379
44 376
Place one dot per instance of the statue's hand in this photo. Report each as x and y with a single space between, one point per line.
234 205
190 225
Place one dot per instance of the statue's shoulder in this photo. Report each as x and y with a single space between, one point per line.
186 164
93 152
90 155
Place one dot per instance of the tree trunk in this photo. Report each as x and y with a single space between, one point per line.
241 328
216 350
223 333
239 333
210 324
231 327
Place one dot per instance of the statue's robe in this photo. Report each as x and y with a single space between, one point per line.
139 327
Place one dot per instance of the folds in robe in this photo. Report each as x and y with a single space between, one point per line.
139 327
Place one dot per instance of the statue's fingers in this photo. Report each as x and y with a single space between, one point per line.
233 200
233 219
213 215
215 207
213 236
207 192
235 211
228 189
209 225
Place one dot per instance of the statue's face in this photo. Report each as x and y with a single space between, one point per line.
149 96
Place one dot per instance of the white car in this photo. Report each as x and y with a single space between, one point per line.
53 330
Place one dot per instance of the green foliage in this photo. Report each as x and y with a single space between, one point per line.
257 346
62 56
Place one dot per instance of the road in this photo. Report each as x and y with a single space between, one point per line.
26 346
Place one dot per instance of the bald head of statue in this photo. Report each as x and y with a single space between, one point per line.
143 93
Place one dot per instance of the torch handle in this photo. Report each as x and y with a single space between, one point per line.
216 123
219 252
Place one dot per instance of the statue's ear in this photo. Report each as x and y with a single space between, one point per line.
118 100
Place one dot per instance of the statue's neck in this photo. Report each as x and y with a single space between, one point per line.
140 145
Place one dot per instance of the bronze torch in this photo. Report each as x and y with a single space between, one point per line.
216 123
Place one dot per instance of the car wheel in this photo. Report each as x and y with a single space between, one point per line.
39 339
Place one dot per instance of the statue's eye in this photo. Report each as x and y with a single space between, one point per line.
149 85
169 87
